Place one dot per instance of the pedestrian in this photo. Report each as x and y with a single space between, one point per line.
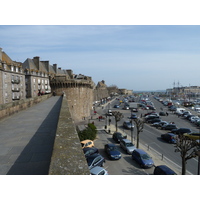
167 113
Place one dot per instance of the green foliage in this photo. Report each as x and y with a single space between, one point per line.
93 127
89 133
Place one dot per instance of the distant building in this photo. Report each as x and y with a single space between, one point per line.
191 91
12 79
125 92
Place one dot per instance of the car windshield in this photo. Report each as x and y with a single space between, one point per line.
145 156
129 144
112 148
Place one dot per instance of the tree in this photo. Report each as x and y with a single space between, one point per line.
186 148
88 133
118 116
139 125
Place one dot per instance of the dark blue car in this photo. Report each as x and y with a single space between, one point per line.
142 158
112 152
163 170
169 137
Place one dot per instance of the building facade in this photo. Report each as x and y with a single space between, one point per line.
12 79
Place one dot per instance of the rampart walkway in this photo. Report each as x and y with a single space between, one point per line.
27 138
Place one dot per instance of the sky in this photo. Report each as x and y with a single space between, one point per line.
134 57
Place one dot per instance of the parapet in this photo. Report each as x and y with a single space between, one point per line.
67 157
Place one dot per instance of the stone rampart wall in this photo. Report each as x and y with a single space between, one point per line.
67 157
80 101
100 94
14 107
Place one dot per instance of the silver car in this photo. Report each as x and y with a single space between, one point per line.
98 171
127 145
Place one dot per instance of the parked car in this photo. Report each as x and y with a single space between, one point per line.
150 117
159 124
142 158
163 170
87 143
162 113
128 125
116 106
192 136
109 113
127 145
117 136
169 137
90 150
126 107
95 160
181 131
169 127
133 116
194 119
151 121
112 152
98 171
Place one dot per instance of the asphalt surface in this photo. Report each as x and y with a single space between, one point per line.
161 151
27 138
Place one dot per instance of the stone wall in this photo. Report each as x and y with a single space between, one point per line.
80 101
67 157
14 107
100 94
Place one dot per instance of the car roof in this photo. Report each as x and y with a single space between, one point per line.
166 168
96 169
140 151
94 155
118 133
126 140
89 148
111 145
172 134
85 141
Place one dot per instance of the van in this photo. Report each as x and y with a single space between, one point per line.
163 170
179 111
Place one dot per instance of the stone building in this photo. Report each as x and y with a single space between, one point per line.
182 92
37 75
101 91
12 79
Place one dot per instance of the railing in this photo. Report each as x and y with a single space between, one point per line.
15 89
15 81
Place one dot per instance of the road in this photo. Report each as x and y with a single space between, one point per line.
151 137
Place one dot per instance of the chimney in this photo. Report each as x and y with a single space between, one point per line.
55 68
36 60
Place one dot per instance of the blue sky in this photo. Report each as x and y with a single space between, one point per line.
134 57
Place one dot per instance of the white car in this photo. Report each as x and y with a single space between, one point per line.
98 171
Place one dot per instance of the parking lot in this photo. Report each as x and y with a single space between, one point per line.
149 138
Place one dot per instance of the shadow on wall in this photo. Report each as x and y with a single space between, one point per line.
36 156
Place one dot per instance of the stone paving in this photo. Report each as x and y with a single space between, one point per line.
27 138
